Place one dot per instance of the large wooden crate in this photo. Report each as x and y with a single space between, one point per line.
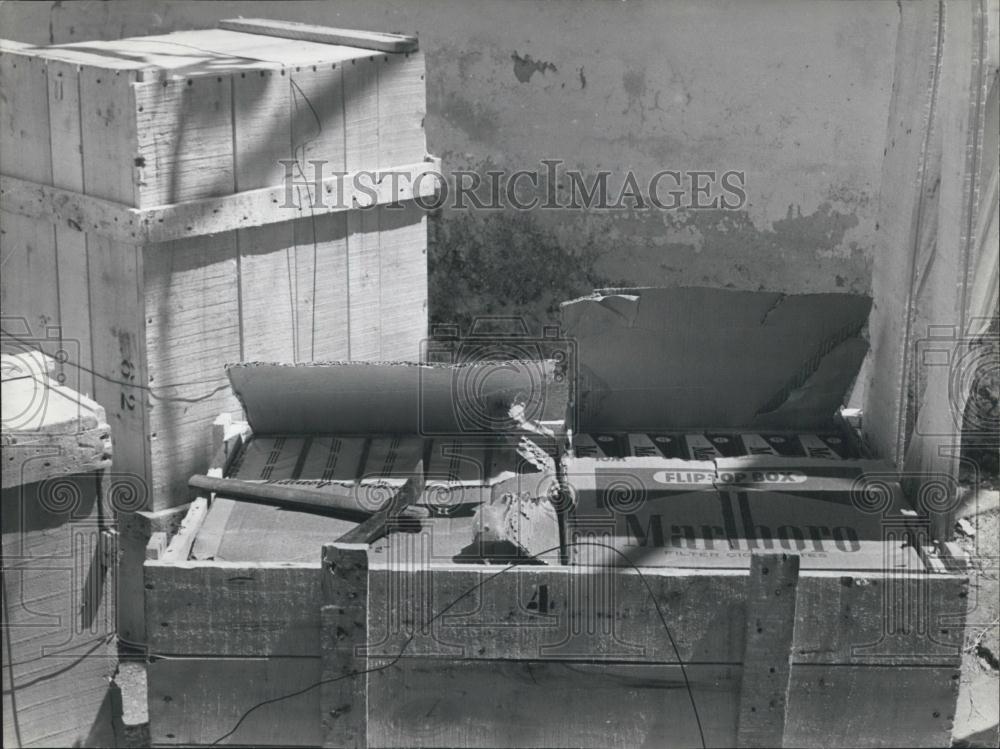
399 644
146 219
260 630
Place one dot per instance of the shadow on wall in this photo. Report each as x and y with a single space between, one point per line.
504 264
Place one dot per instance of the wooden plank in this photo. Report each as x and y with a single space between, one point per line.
191 308
180 545
770 621
199 701
215 215
185 139
403 281
117 322
58 612
119 343
323 34
225 47
402 109
233 609
255 533
322 324
360 82
361 121
261 107
557 611
318 147
24 135
157 546
912 618
466 611
261 111
419 702
267 302
364 285
28 284
135 530
108 126
71 245
343 707
284 52
855 706
318 106
212 532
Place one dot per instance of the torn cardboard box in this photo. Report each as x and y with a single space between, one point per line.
707 431
375 427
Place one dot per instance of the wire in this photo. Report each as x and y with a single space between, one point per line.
10 663
312 219
395 659
125 383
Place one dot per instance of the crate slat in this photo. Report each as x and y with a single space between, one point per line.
188 707
322 34
871 706
233 609
29 282
425 703
184 131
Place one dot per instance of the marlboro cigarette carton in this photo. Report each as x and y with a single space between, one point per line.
705 432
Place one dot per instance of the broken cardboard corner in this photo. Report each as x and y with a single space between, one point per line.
657 359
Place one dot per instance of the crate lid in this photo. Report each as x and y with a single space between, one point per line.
432 400
224 50
652 359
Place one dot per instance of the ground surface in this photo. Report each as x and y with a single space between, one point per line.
978 713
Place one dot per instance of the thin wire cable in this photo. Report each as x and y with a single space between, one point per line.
125 383
395 659
10 663
312 213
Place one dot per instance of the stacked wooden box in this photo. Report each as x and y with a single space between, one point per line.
146 218
58 561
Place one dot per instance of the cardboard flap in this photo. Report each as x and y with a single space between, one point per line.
656 359
402 398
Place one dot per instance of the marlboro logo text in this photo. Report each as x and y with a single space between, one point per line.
656 531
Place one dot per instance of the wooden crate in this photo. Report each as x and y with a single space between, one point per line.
145 219
398 645
58 561
254 635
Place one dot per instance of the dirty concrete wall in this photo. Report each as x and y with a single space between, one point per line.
793 94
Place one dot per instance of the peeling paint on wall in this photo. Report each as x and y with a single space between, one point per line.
525 67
